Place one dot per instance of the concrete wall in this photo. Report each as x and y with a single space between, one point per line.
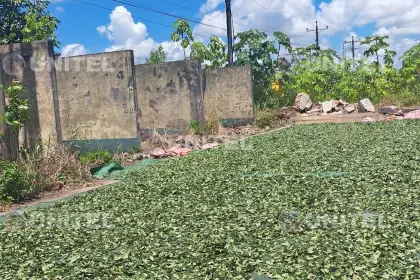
98 100
230 90
29 62
170 95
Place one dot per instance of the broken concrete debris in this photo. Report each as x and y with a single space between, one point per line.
304 105
327 106
210 146
365 106
414 115
350 108
368 120
303 102
388 110
158 153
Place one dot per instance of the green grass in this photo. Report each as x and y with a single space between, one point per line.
309 202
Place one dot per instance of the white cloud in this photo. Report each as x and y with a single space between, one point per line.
400 20
126 34
60 9
73 50
210 5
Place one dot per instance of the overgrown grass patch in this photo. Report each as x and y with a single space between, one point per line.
309 202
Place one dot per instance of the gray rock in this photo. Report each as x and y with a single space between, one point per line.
337 112
308 106
139 156
366 105
350 108
314 111
303 102
368 120
327 106
389 110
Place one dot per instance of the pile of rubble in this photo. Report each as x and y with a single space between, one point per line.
304 105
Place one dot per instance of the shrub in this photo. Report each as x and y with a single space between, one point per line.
96 157
16 184
212 118
56 165
265 117
402 99
195 127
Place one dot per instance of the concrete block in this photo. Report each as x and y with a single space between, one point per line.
30 63
230 90
170 96
98 101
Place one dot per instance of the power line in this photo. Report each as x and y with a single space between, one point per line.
130 15
298 43
317 30
305 13
301 12
353 48
223 18
143 7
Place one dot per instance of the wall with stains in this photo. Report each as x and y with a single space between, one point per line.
98 100
229 90
29 63
170 96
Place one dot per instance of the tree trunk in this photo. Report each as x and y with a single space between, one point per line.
4 153
185 56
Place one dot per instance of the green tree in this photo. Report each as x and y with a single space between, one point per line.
282 40
199 51
182 33
157 56
26 20
410 70
255 49
15 115
375 43
214 53
389 57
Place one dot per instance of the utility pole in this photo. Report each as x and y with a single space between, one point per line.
317 30
229 31
344 51
352 46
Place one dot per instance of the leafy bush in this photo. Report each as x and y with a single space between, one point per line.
96 157
321 73
15 183
310 202
195 127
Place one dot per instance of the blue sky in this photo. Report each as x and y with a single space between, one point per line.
88 29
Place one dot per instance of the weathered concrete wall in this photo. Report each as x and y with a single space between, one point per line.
170 95
28 62
98 100
230 90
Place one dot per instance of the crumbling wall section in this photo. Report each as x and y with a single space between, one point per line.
230 90
170 96
98 100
